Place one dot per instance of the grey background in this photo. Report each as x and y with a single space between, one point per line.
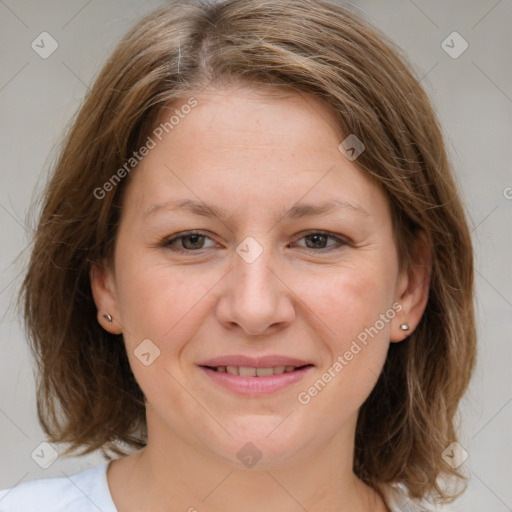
472 95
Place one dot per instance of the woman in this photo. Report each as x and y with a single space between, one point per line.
252 278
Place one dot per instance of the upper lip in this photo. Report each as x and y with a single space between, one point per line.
254 362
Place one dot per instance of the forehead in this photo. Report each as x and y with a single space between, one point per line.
248 148
238 113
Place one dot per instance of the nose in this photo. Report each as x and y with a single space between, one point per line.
255 297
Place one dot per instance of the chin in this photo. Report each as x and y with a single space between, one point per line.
263 442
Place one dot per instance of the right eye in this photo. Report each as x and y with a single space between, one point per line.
191 241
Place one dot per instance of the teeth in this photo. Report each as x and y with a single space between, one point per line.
249 371
264 372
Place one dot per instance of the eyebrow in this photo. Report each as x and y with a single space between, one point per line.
297 211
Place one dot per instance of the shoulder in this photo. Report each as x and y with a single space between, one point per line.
399 501
83 492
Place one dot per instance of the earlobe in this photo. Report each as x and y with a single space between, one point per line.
412 291
103 292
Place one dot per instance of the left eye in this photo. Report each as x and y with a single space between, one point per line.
318 240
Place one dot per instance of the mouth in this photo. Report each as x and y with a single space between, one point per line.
255 377
250 371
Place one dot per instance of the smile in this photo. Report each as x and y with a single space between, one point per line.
249 371
255 381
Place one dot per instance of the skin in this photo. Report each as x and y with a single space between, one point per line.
256 155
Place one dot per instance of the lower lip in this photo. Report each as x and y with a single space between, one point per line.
256 386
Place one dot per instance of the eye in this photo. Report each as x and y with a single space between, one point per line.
194 241
319 240
187 242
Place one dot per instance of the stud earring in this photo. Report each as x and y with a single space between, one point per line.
404 327
108 318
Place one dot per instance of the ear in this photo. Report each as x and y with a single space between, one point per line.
413 289
104 295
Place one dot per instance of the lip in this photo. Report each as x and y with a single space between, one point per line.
255 362
255 386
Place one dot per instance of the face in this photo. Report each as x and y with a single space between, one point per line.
264 315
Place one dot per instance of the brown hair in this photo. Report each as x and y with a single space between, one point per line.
87 394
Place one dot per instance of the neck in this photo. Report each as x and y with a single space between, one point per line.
172 475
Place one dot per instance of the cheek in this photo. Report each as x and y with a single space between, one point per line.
360 313
357 340
162 302
349 300
166 306
356 304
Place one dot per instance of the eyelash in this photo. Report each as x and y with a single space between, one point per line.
340 242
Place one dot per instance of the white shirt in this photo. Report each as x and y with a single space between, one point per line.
84 492
88 492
